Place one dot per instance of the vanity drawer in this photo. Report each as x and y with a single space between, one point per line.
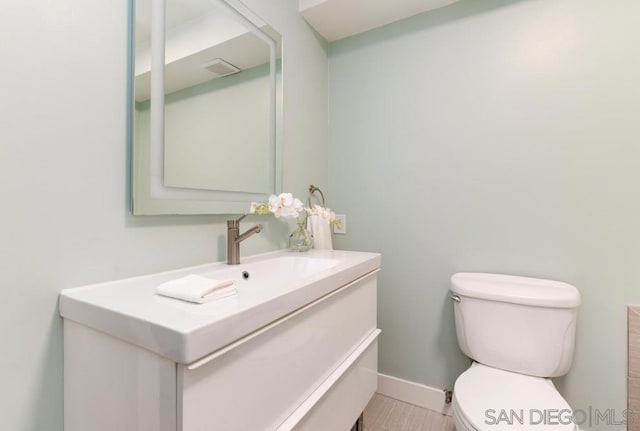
338 407
261 382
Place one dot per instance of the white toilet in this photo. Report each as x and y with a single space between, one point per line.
519 332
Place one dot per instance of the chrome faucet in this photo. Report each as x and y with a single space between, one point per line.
234 239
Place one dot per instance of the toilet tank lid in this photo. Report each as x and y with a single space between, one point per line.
515 290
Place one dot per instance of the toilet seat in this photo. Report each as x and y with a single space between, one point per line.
487 398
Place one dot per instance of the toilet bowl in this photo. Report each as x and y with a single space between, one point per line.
519 332
487 398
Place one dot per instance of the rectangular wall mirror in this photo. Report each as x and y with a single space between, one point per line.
205 93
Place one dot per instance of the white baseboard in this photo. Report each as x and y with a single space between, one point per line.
413 393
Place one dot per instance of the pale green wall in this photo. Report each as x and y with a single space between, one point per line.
498 136
63 168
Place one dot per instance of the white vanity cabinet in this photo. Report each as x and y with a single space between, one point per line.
314 367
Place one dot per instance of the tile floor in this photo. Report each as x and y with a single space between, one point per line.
386 414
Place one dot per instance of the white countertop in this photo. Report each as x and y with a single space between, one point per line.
279 283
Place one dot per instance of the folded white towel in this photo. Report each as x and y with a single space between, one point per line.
194 288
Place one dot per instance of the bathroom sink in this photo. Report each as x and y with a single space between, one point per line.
274 270
269 287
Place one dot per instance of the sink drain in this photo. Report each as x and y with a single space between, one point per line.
245 275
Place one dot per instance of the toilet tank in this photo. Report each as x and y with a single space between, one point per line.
520 324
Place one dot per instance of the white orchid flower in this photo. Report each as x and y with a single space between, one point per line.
285 205
323 213
274 205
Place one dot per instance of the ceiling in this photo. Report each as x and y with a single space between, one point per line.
337 19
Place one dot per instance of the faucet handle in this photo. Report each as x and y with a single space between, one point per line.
236 223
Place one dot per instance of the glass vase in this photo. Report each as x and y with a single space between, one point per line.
300 239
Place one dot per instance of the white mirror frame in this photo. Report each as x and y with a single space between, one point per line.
149 194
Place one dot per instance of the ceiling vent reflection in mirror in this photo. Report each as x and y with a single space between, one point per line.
220 68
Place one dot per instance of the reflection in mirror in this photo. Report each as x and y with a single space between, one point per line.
204 107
